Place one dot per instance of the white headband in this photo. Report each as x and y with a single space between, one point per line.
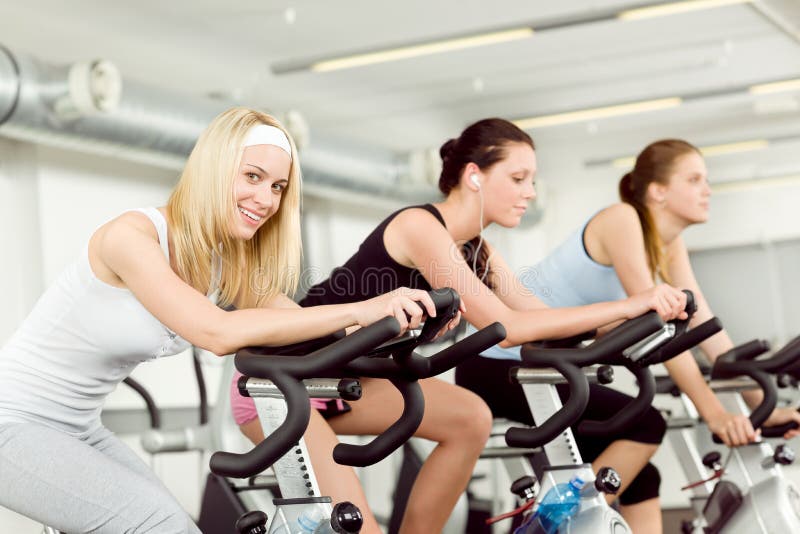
263 134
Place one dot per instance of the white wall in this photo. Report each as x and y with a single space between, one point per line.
20 235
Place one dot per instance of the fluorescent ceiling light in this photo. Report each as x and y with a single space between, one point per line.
708 151
731 148
598 113
673 8
435 47
739 186
775 87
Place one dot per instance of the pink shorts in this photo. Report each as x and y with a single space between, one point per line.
244 409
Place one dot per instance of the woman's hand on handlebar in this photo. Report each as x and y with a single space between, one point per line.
781 416
408 306
734 430
667 301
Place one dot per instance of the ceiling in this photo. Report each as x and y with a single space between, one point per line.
585 59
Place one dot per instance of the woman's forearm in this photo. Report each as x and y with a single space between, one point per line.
687 376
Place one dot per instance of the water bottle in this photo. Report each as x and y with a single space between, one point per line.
314 521
560 503
311 520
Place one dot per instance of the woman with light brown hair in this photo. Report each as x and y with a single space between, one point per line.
623 250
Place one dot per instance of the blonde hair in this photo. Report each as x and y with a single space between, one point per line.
202 208
654 164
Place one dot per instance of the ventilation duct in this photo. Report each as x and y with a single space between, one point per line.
89 107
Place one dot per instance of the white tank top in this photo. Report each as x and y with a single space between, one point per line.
80 340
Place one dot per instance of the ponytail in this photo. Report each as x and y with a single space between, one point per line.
654 164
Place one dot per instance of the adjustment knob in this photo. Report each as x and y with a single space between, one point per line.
712 459
349 389
524 488
252 523
605 374
607 481
783 455
346 518
785 380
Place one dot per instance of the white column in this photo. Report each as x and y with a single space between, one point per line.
20 236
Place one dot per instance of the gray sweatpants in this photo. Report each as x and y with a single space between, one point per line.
91 483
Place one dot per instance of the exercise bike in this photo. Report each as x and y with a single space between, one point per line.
636 344
747 492
403 369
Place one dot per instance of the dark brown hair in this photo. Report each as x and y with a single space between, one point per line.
654 164
483 143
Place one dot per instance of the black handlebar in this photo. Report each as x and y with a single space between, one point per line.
399 432
345 356
630 413
471 345
286 372
682 342
563 418
567 362
321 360
267 452
683 339
421 367
741 360
567 342
446 302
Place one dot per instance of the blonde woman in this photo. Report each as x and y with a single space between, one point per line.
148 284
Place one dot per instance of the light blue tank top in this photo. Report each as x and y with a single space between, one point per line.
566 277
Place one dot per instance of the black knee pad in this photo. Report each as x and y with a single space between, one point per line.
644 487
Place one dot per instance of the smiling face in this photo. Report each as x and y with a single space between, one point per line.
508 185
687 193
258 187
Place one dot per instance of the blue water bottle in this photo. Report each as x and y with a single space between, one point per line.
558 505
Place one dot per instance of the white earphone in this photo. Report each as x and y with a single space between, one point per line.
477 183
474 179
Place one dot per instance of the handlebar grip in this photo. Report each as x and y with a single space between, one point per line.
278 443
625 335
301 348
323 360
446 301
763 410
466 348
745 351
567 342
778 430
569 413
784 359
393 437
683 342
691 303
631 413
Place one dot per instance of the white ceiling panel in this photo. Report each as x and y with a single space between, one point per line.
228 49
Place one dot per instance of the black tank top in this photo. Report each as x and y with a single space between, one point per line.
370 271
